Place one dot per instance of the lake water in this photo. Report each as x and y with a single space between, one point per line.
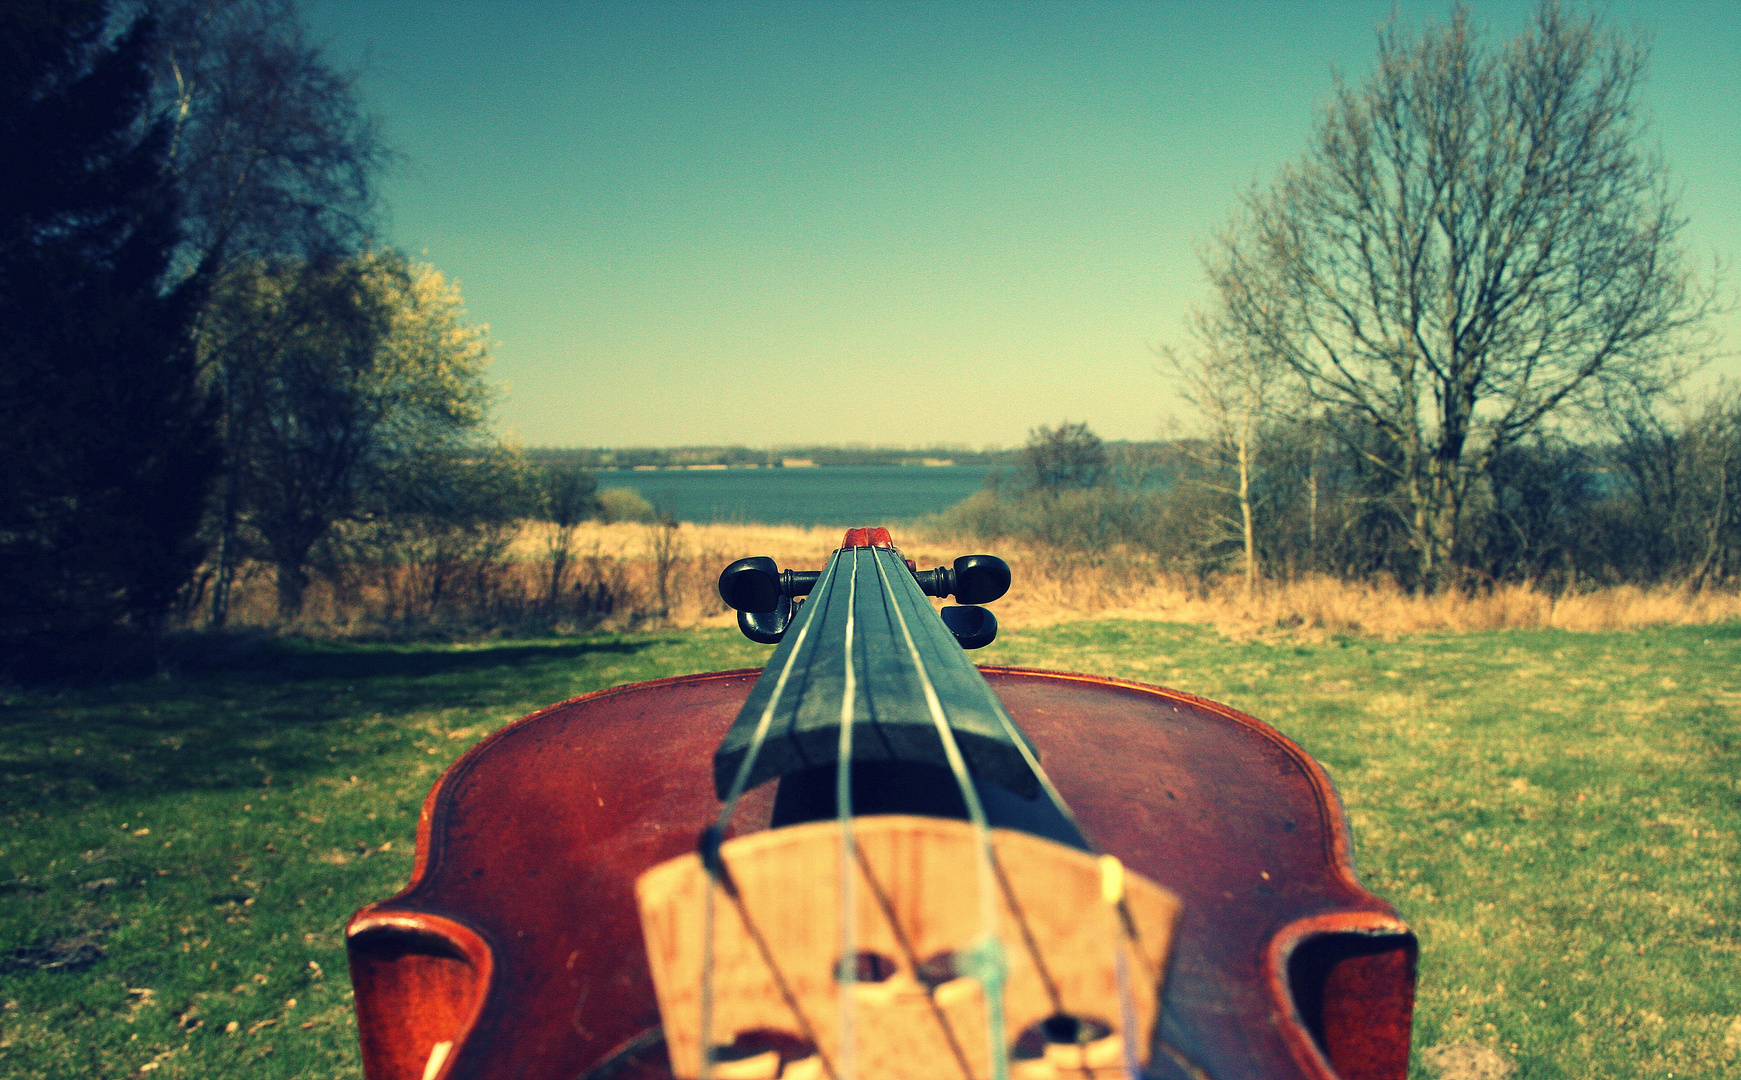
838 495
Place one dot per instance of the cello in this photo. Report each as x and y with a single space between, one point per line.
873 859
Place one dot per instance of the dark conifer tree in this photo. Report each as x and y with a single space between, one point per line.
107 447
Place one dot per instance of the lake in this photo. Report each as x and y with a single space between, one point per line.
824 495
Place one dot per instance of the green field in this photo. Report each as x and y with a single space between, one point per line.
1556 814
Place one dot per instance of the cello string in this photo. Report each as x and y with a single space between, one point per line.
1039 771
1112 892
1125 923
712 837
706 1025
988 956
847 976
1052 794
1126 1013
785 988
933 704
911 955
1029 942
767 717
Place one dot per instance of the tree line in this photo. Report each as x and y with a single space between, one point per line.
1653 503
767 456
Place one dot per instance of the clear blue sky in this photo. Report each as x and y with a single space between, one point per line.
879 222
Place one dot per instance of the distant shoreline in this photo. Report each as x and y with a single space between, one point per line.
926 463
721 458
806 495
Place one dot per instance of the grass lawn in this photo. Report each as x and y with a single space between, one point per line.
1556 814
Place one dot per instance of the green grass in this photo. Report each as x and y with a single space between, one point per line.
1556 815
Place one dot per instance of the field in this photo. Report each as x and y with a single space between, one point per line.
1556 813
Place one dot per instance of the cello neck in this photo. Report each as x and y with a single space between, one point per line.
868 649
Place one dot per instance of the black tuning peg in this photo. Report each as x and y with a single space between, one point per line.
974 627
756 584
974 579
767 627
751 585
762 593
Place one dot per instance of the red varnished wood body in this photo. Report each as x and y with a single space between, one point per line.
517 939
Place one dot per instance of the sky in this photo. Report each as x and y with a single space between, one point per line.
901 224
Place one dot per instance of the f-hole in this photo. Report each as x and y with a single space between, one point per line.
1059 1029
754 1043
867 967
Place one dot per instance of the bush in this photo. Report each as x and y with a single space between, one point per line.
623 504
1077 520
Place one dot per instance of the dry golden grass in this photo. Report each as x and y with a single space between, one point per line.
1053 586
634 542
618 559
1327 605
1050 586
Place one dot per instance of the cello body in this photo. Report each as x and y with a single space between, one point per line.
516 951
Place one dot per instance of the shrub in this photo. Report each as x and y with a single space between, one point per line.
623 504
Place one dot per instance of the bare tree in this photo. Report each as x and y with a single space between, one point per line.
1069 456
1680 486
1236 389
566 496
1477 241
269 140
277 160
304 404
1713 445
665 543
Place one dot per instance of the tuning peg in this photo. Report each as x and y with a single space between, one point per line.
762 594
974 627
980 579
767 627
757 585
974 579
751 585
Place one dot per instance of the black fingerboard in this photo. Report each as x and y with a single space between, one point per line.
899 649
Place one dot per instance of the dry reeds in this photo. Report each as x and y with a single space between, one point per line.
1320 605
627 575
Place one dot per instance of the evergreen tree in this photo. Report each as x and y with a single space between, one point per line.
106 444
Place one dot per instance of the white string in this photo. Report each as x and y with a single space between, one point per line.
1126 1005
767 718
725 816
1034 766
987 955
848 973
1112 883
1120 911
706 1025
